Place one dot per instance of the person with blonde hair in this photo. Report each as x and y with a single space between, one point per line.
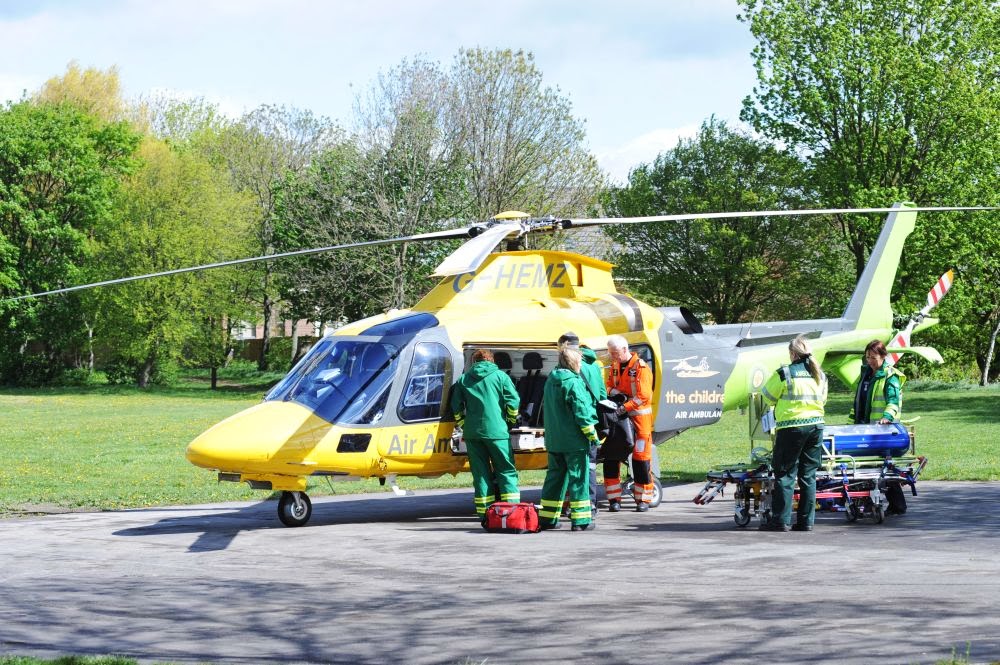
798 392
569 436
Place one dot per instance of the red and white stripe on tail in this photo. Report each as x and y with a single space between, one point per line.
902 338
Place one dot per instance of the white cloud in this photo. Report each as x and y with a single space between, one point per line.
630 69
13 86
642 150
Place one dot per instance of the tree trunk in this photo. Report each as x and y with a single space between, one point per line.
989 354
90 346
400 278
266 341
146 373
215 377
295 342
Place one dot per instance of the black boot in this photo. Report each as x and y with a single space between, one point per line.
641 507
614 505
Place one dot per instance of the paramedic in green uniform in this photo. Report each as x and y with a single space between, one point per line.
593 376
878 398
798 392
485 405
569 436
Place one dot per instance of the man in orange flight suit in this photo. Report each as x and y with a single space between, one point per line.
630 384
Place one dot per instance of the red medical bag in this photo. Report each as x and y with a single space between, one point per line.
503 517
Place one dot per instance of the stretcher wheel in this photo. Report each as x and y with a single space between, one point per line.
852 513
878 513
742 516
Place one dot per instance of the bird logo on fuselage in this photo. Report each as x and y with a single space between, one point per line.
686 370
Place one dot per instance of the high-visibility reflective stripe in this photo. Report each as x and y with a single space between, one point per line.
551 515
485 500
804 397
580 504
798 422
638 400
640 445
511 498
552 503
768 396
641 412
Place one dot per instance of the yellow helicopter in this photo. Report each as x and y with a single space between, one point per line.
370 399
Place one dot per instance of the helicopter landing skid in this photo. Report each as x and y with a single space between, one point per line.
396 489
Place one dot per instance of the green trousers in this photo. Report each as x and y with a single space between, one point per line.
492 464
568 475
798 452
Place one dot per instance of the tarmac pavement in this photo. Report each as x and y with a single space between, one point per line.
386 579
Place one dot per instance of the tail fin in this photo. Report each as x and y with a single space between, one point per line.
870 306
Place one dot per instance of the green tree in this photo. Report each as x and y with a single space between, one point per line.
60 170
732 269
316 208
260 150
177 210
410 173
93 91
893 100
522 145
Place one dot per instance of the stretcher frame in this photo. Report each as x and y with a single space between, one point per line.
853 485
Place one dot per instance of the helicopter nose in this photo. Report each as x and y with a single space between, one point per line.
253 437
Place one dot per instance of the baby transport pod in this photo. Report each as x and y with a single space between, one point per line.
618 445
860 465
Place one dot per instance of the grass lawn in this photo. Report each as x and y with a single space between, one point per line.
112 448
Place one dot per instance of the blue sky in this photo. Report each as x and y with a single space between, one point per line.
640 73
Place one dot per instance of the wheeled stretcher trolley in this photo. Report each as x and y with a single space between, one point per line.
860 463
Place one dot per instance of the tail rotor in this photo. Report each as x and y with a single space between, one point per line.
934 296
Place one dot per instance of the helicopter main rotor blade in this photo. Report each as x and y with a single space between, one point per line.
470 256
687 217
473 252
434 235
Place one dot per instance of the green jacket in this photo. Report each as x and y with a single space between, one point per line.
485 398
798 398
569 413
884 398
591 372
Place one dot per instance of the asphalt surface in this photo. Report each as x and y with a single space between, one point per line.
385 579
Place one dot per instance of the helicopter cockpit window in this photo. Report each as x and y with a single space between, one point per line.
430 373
342 380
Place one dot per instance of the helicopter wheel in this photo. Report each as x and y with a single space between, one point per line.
628 487
294 508
657 493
